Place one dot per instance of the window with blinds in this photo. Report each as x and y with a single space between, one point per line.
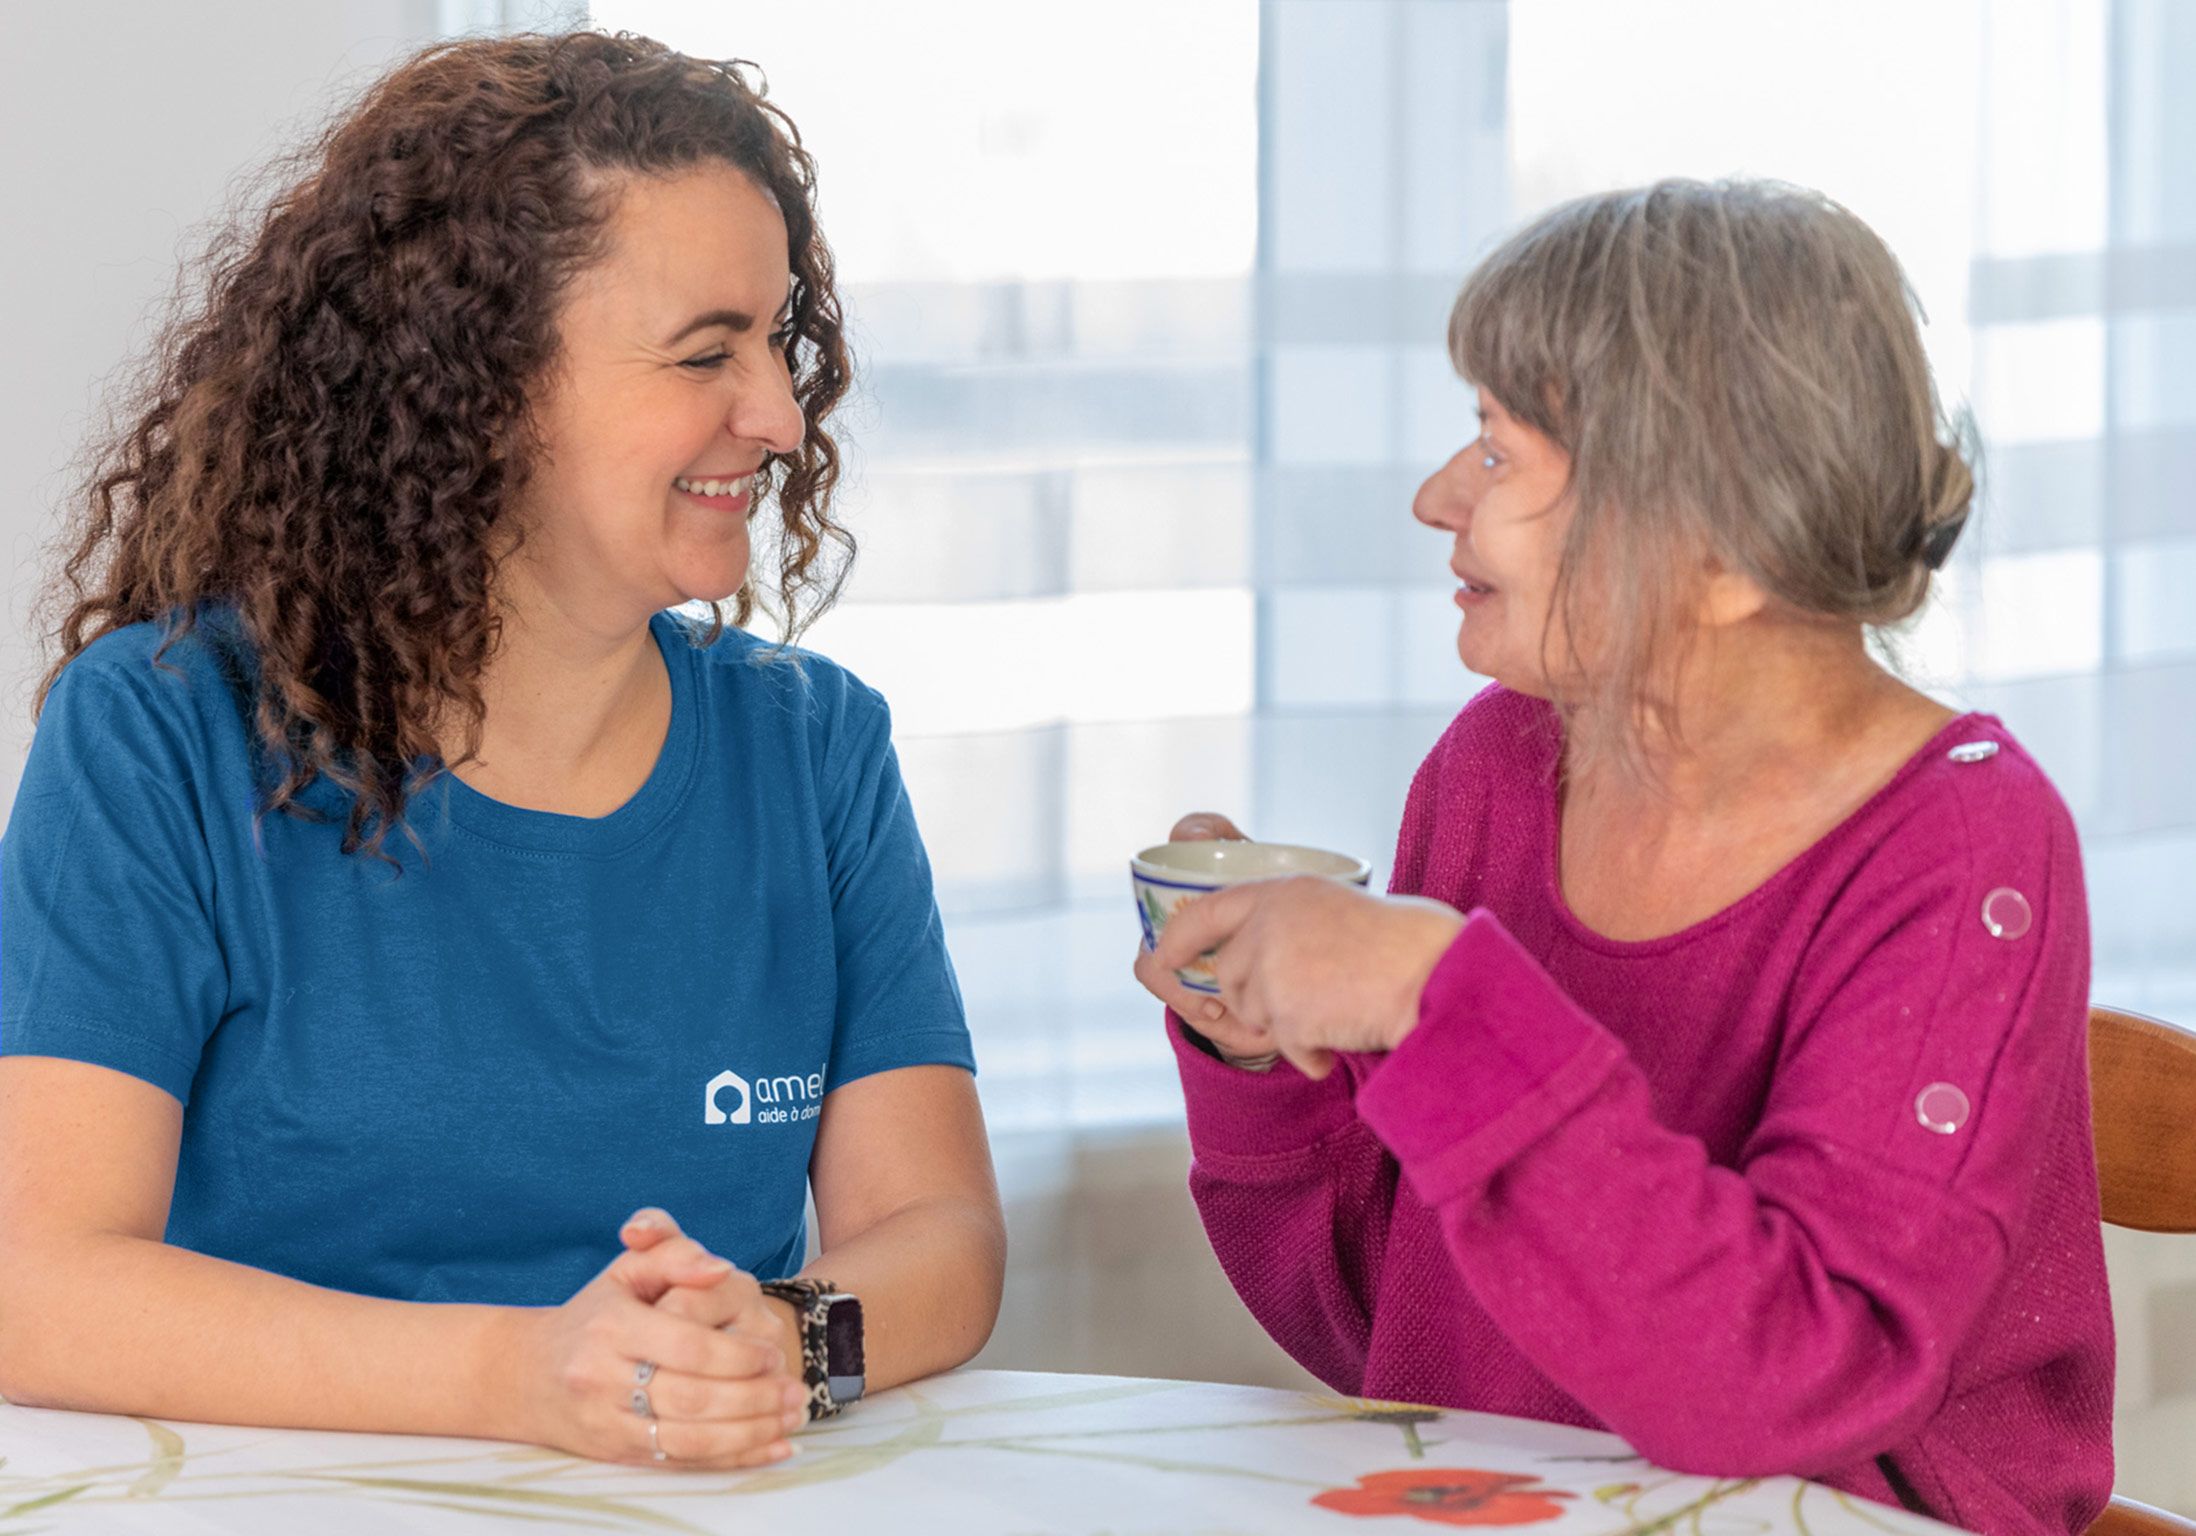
1045 222
2029 165
1149 303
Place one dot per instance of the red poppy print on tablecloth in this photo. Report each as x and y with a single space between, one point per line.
1448 1496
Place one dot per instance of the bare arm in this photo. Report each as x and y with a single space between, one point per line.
909 1216
97 1313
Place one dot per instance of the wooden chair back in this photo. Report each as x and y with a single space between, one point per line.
2125 1517
2142 1092
2142 1089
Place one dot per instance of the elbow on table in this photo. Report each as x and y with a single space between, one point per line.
33 1352
17 1393
55 1302
988 1246
1732 1432
1815 1394
1752 1453
983 1317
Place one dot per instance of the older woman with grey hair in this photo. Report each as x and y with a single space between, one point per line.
1715 1073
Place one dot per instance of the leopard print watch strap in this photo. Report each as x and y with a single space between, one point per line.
812 1308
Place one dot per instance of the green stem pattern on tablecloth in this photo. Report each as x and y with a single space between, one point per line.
1799 1521
839 1463
1869 1513
563 1521
167 1459
1715 1495
47 1502
492 1493
1161 1464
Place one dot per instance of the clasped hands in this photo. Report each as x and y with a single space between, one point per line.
1307 966
724 1385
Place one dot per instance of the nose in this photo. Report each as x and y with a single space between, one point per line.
765 411
1450 492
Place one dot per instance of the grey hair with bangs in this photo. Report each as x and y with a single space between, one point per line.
1736 373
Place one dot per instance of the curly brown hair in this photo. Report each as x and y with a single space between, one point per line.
327 443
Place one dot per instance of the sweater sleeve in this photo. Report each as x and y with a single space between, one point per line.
1797 1311
1294 1194
1294 1190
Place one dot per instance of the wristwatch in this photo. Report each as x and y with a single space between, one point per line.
1211 1047
831 1342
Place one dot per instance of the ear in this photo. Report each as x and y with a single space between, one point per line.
1729 597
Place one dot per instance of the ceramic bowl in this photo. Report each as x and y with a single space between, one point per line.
1170 874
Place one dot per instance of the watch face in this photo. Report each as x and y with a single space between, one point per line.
843 1337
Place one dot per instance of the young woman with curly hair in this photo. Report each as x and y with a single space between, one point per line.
1716 1074
404 913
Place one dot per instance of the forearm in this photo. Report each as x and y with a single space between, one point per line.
1269 1109
1295 1195
115 1324
929 1277
1304 1254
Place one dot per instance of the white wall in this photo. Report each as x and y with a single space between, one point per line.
125 126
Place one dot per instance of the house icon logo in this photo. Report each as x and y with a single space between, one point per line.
712 1114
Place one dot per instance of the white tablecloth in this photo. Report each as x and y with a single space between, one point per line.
970 1453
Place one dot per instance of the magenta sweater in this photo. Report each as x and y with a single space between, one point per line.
1684 1189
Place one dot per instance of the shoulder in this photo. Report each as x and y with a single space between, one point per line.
152 684
758 686
144 722
1945 983
2001 793
1499 733
1961 877
1971 805
129 655
1501 750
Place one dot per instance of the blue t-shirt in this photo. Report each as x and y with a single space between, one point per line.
453 1084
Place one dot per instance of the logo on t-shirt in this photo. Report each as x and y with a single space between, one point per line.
765 1101
711 1113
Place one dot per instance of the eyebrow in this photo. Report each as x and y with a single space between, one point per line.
1493 419
737 321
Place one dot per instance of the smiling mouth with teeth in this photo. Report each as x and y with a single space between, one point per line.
714 488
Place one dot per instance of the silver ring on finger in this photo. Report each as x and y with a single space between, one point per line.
655 1446
641 1404
644 1371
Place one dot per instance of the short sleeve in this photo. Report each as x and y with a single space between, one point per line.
898 1002
108 947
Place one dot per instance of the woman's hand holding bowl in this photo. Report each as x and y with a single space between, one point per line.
1307 966
1204 1013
